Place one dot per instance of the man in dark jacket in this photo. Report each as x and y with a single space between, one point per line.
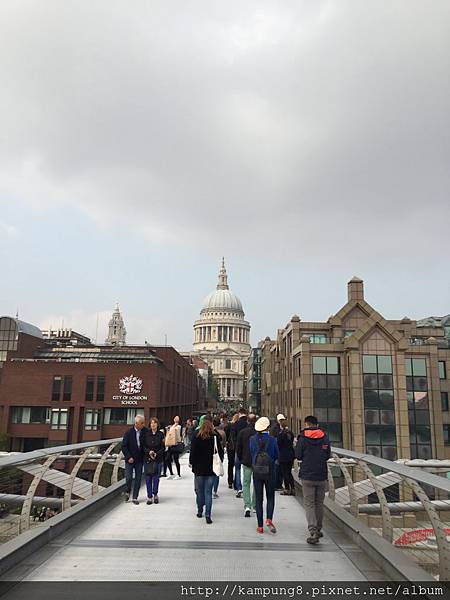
285 441
245 459
240 424
313 450
133 452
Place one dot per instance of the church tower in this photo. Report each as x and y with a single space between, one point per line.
117 333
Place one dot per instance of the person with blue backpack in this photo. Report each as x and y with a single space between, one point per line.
264 452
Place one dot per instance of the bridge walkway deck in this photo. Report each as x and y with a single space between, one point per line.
168 542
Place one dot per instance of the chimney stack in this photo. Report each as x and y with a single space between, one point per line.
355 289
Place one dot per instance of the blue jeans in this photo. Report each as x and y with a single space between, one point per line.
152 481
259 486
136 468
237 475
203 488
216 483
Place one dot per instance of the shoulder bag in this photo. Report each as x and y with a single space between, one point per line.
217 463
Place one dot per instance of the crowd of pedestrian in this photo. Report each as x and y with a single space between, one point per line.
260 461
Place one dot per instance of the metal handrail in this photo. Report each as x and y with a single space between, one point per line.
57 467
17 459
360 481
398 468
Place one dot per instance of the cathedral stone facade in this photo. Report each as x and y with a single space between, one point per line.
222 339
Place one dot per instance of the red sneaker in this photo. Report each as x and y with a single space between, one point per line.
260 529
271 526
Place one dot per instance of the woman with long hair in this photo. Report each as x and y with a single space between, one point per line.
204 445
174 442
153 441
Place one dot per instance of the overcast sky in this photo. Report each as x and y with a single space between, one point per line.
306 141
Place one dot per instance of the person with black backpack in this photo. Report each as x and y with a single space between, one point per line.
264 452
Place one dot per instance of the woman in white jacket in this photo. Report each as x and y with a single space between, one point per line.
174 444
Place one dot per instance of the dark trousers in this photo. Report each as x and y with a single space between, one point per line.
259 486
286 471
278 476
175 456
237 474
230 456
165 461
136 469
152 481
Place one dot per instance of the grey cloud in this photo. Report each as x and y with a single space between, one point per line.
234 123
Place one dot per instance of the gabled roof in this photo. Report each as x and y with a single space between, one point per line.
375 321
337 319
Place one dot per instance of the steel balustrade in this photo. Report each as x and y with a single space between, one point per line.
22 474
393 498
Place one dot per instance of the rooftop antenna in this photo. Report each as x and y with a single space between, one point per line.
96 331
165 339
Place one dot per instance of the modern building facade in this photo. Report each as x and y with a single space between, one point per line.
204 403
51 395
65 337
254 380
222 339
376 385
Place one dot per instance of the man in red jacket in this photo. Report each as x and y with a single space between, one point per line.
313 450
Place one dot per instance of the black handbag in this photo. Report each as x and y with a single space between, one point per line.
151 467
179 448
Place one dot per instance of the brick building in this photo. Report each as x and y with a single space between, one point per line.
52 395
376 385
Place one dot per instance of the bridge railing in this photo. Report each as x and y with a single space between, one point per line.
36 486
405 502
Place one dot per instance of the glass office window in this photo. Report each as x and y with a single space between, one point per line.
89 394
327 395
379 406
446 434
67 390
92 419
319 364
59 418
418 407
56 388
30 414
119 416
101 382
